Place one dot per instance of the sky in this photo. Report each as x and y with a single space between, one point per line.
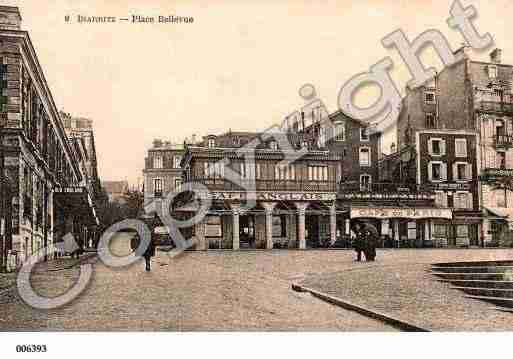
238 66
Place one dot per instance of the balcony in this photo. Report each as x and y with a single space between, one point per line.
492 103
220 184
503 141
384 190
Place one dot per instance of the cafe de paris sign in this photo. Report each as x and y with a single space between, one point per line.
400 212
272 196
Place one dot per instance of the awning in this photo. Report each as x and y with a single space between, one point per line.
76 201
498 213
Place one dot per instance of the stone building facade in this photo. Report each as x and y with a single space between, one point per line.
162 171
476 99
40 163
259 199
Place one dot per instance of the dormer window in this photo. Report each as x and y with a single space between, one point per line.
211 143
273 145
492 71
304 144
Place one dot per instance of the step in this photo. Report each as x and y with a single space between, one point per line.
478 283
505 302
475 264
466 276
488 292
474 269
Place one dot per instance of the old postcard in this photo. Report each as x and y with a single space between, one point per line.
247 166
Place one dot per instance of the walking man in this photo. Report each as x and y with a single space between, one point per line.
149 251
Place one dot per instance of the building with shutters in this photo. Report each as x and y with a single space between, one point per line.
460 129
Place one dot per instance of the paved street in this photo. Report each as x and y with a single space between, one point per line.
246 290
198 291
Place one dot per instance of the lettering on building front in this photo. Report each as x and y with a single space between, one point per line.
410 213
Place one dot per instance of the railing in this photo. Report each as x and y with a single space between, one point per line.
503 141
268 185
495 103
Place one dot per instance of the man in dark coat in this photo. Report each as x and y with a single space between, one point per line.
371 235
359 241
147 252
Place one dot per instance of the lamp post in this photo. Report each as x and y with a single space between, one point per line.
2 196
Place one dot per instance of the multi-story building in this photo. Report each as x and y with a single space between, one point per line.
42 167
80 132
469 102
264 202
162 172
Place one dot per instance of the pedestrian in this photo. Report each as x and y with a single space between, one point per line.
147 252
359 240
371 241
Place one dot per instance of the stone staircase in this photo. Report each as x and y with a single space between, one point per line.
490 281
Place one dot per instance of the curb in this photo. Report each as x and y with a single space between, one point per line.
402 325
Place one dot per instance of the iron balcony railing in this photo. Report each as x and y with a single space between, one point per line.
503 141
496 103
221 184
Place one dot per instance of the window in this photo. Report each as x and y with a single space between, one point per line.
437 171
258 171
304 144
287 172
247 170
273 145
441 199
462 231
157 161
430 120
429 97
178 183
365 183
340 131
157 187
213 169
365 157
462 200
499 127
211 143
440 230
322 137
436 147
318 173
500 198
460 147
501 159
279 226
492 71
462 171
176 161
364 134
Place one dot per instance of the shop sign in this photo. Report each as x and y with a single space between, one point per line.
273 196
493 173
69 190
451 186
399 212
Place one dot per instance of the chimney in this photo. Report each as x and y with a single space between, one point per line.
193 139
10 18
157 143
496 56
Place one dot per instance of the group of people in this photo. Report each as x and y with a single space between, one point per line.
365 240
